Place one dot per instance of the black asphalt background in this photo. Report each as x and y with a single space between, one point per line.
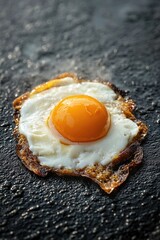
117 40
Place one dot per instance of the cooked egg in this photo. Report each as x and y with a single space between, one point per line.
75 125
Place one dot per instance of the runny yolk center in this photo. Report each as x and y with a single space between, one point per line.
80 118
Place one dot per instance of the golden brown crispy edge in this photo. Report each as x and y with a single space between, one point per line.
108 177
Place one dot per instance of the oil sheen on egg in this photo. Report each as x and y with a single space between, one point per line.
47 145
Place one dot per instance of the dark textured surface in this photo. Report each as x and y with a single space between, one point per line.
114 40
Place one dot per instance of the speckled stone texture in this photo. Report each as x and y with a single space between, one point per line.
117 40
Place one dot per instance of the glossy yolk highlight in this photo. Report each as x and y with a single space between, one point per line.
80 118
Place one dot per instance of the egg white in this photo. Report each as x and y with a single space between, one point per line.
47 146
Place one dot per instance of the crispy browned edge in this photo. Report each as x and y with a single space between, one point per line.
109 177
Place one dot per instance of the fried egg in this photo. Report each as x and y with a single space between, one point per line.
74 127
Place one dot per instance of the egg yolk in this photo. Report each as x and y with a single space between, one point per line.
80 118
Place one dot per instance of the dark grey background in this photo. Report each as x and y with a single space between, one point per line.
117 40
